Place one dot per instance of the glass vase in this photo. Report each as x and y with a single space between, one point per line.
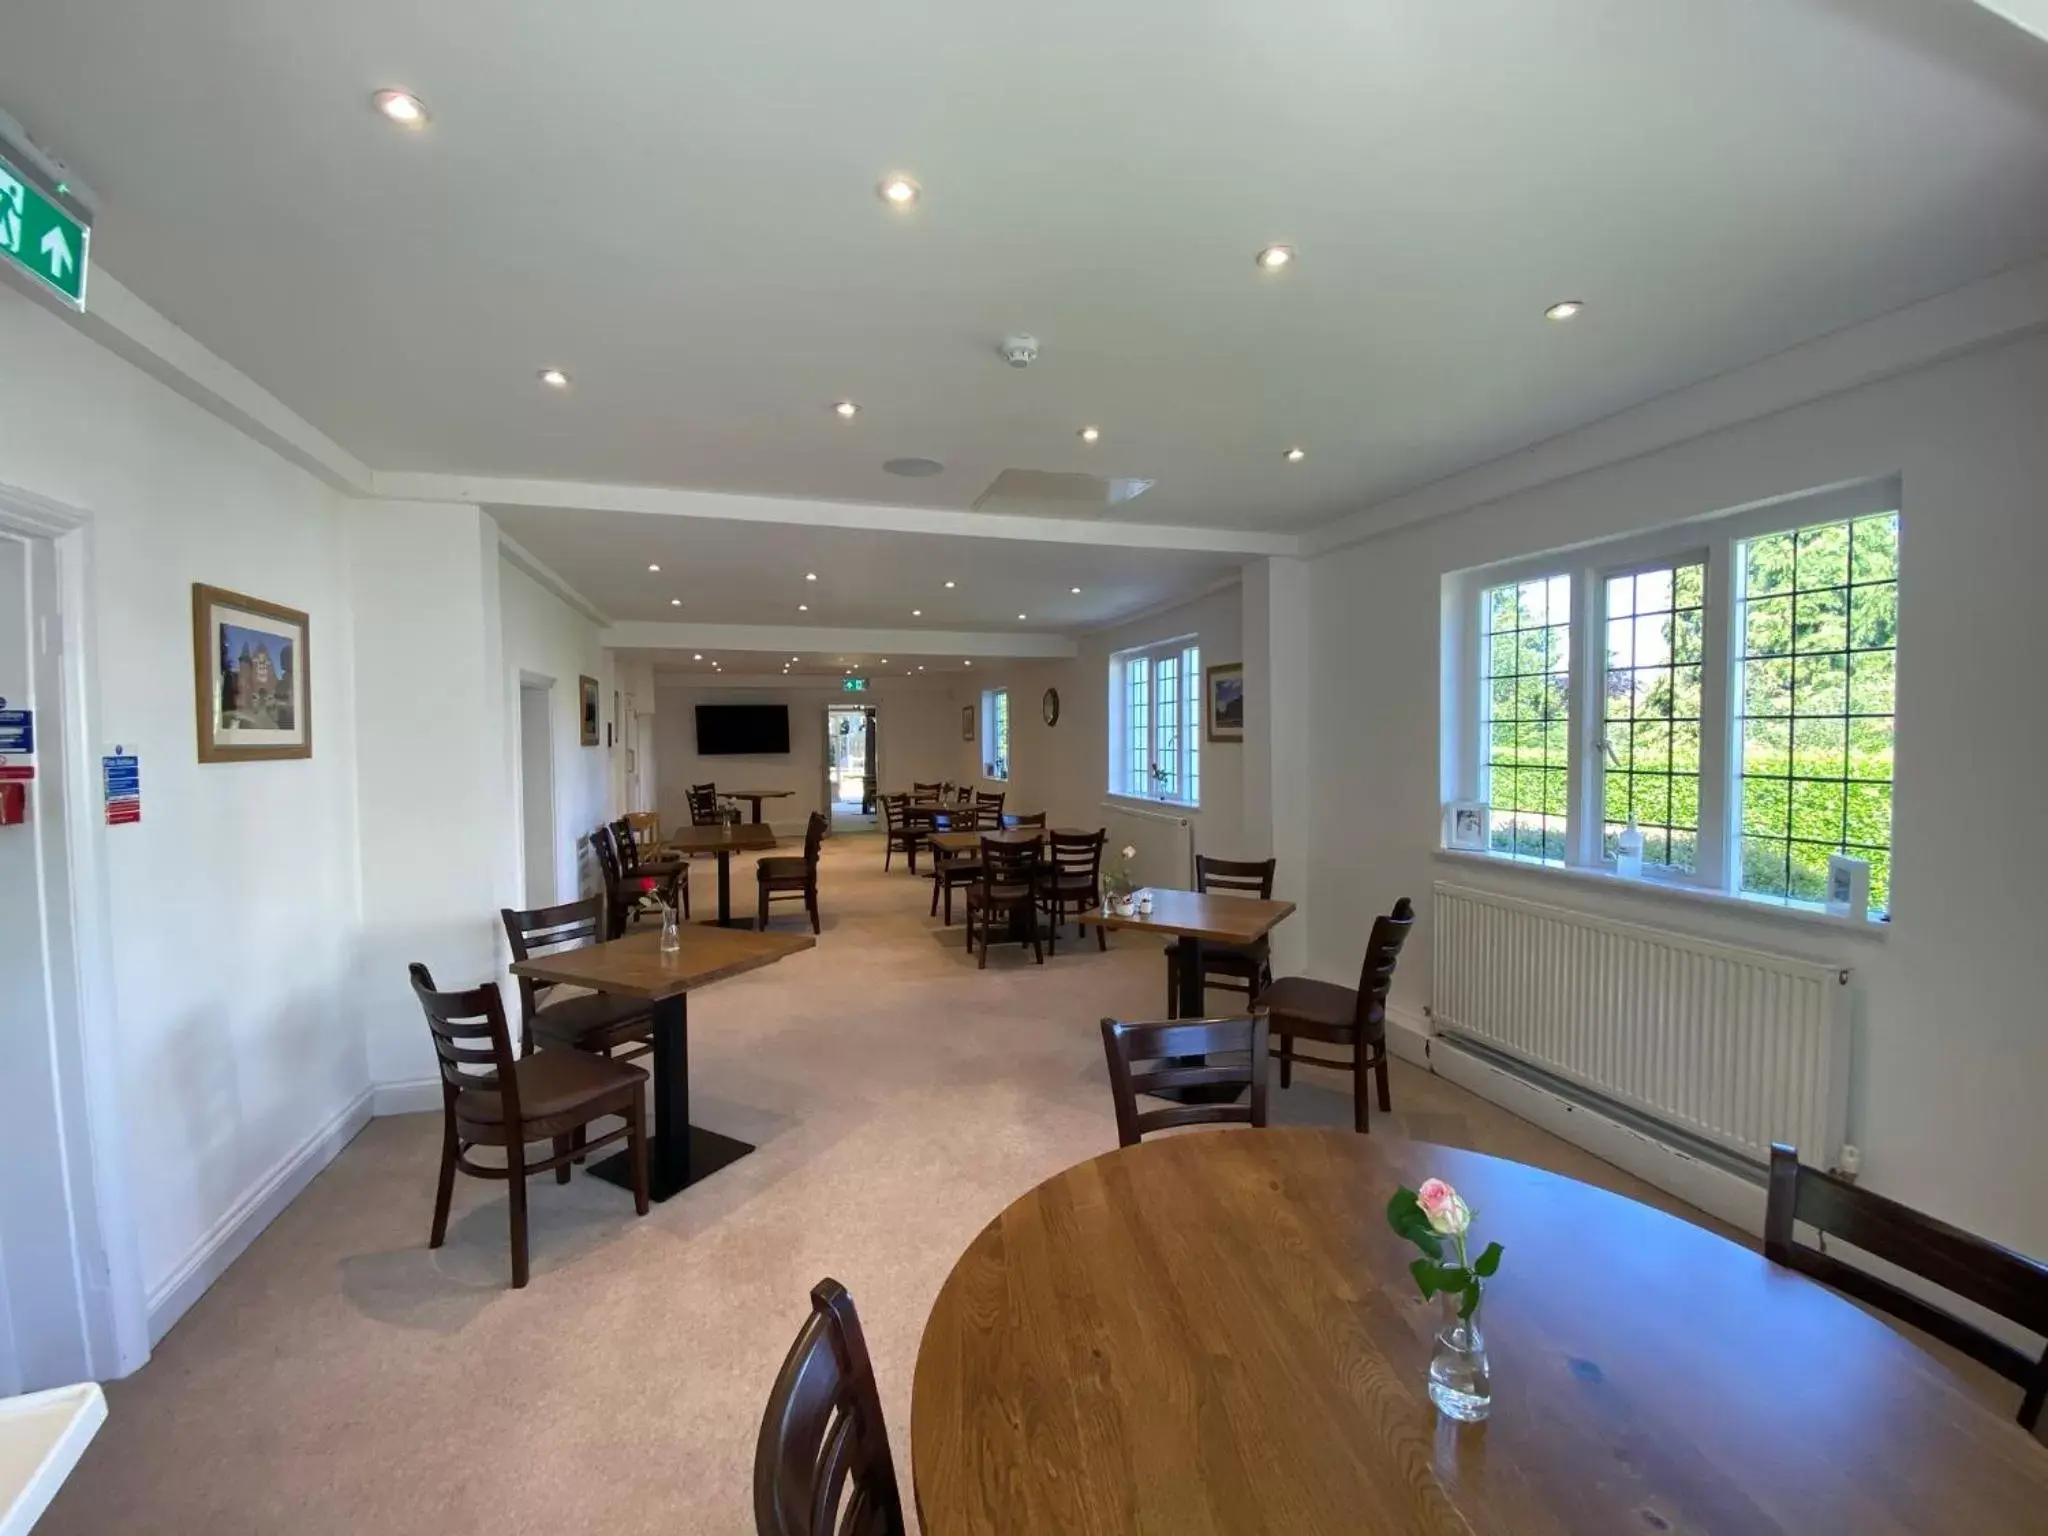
1459 1382
671 935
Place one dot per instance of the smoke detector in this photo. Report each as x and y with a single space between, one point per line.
1019 351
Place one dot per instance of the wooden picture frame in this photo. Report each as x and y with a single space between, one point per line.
588 707
252 683
1223 701
967 722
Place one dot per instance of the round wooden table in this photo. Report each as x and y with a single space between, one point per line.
1217 1333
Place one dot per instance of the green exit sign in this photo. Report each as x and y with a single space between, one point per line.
41 237
854 684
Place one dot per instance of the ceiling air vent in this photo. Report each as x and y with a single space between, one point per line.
1050 493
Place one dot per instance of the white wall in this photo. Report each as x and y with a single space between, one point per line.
917 721
1064 769
1953 1043
234 901
544 637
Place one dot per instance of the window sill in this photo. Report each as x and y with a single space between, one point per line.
1764 911
1141 800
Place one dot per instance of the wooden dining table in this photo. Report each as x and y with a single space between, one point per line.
754 797
723 841
1197 918
1216 1334
679 1154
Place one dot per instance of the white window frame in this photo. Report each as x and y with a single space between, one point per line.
1184 789
993 768
1465 740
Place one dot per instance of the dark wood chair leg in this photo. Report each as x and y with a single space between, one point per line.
683 891
636 1143
444 1192
938 884
515 1164
1287 1061
1361 1069
811 906
577 1138
1379 1072
988 918
761 921
1052 939
1101 934
1037 949
563 1147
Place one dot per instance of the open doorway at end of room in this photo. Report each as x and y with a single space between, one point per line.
852 742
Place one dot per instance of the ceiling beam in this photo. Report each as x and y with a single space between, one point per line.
797 640
664 501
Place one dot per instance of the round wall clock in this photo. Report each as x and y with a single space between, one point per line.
1049 706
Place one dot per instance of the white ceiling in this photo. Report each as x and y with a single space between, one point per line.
676 202
729 572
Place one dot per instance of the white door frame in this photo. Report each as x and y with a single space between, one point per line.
541 683
112 1314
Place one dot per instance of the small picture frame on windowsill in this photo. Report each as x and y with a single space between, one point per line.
1465 824
1848 887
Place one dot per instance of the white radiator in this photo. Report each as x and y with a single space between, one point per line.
1735 1046
1165 841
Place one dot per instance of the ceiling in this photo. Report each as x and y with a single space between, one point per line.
718 665
677 204
728 572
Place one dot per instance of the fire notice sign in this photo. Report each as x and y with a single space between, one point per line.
121 776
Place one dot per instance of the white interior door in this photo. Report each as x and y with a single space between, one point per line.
537 794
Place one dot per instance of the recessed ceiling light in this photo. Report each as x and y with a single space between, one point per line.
899 191
1274 257
885 661
1564 309
675 602
949 583
1022 616
554 378
920 666
1075 590
847 409
810 575
1296 455
966 663
803 607
699 656
917 613
1091 434
793 658
402 107
652 566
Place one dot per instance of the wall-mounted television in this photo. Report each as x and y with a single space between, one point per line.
742 730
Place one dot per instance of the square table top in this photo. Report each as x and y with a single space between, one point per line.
755 794
635 966
1218 919
740 838
968 841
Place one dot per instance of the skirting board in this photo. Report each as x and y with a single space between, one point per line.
1715 1190
245 1220
420 1096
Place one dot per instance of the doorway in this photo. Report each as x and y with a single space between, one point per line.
537 789
852 748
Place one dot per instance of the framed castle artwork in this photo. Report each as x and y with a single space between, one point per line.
252 686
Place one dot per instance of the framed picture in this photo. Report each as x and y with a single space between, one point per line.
251 682
1465 824
1848 886
587 696
1226 701
967 722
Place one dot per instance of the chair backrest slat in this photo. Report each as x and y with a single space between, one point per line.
1972 1267
1078 853
814 839
457 1021
547 931
1382 952
1127 1044
1034 819
821 1463
1008 863
703 805
1254 877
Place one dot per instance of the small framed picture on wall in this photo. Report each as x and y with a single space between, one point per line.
253 693
967 722
1226 701
588 708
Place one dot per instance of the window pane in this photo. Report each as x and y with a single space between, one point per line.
1817 732
1653 712
1527 735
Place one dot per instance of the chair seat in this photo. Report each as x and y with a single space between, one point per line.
594 1020
786 868
1320 1010
1247 960
980 894
1070 885
659 869
553 1086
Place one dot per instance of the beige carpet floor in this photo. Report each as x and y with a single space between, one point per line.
342 1378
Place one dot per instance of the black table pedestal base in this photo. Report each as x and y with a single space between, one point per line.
704 1154
1192 992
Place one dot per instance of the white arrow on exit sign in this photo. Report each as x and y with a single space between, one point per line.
57 253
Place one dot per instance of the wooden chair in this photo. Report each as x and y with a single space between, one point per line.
953 872
1246 968
1072 881
1322 1010
646 827
822 1465
626 895
594 1021
1008 888
669 878
965 795
704 809
491 1098
898 833
1035 819
787 877
925 791
1971 1267
995 799
1127 1045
